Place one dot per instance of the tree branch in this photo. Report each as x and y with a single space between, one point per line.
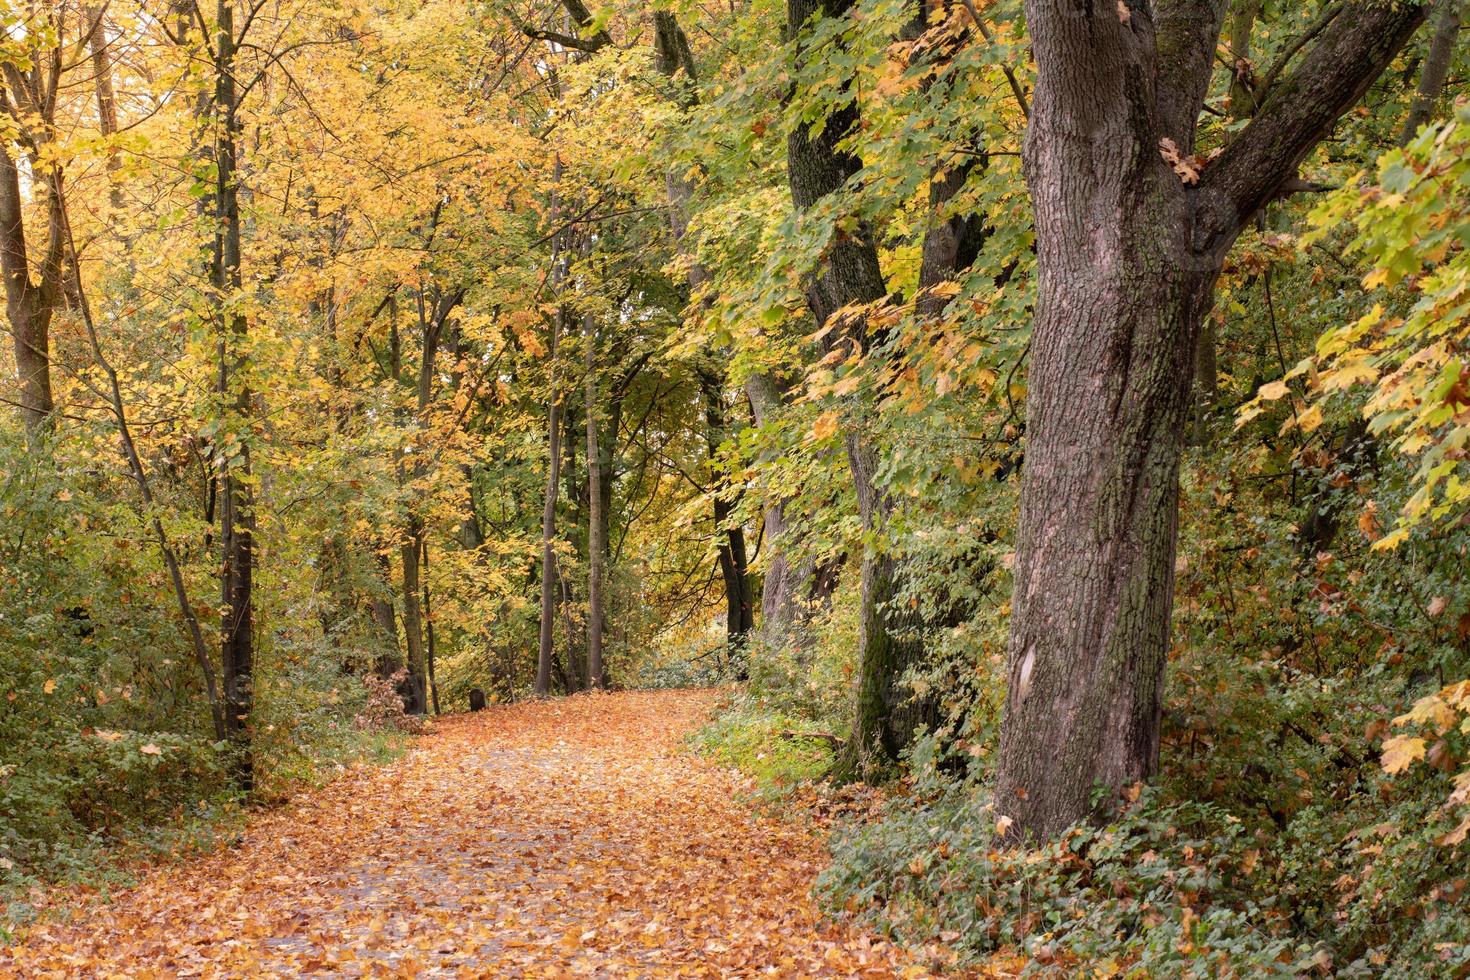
1300 111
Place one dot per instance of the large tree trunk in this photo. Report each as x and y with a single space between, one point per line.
237 511
30 305
817 168
1128 255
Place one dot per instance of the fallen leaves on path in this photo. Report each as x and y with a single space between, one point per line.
553 839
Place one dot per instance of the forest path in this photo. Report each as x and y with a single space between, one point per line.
551 839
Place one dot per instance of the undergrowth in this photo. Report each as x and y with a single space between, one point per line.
776 750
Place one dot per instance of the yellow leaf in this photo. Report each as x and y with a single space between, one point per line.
1400 752
1430 709
1273 391
944 289
151 749
1391 541
49 686
825 426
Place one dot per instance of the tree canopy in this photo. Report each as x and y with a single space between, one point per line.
1052 413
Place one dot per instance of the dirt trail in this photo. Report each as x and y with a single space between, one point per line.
566 838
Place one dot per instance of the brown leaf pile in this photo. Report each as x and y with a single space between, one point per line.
567 838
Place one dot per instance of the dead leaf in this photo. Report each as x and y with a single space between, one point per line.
1187 167
1400 752
487 818
1455 836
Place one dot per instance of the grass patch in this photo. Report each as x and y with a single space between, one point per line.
755 741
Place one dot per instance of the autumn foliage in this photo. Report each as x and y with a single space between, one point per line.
1052 443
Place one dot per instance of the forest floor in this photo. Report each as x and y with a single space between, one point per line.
550 839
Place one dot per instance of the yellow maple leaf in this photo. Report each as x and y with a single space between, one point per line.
1430 709
1400 752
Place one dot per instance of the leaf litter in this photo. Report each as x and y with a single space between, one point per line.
550 839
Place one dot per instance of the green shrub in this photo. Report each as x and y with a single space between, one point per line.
774 749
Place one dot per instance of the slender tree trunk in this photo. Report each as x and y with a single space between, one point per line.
237 514
1243 14
1436 67
1128 255
553 484
390 658
94 20
578 533
433 683
417 700
1240 27
792 592
675 58
145 491
734 565
786 584
432 317
596 544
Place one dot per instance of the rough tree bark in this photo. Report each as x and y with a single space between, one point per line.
237 512
1128 256
30 97
816 168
